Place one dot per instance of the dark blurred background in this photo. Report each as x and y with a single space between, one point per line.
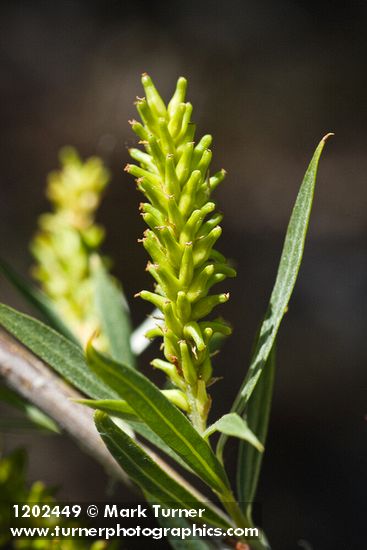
268 80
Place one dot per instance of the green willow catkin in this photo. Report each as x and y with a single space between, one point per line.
66 239
173 174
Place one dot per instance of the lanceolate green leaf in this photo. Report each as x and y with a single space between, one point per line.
147 474
120 409
59 353
162 417
233 425
37 299
289 265
113 313
257 415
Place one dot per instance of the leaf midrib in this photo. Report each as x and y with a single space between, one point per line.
184 440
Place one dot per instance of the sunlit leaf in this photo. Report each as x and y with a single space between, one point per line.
142 469
289 265
120 409
113 313
162 417
233 425
63 356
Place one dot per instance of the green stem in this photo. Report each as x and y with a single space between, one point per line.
240 520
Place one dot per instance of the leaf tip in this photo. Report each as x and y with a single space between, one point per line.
89 349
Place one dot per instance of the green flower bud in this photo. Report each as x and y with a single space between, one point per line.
202 146
155 299
139 129
187 267
183 306
175 124
178 398
172 184
157 153
144 159
178 97
187 198
188 368
192 330
170 370
155 101
183 165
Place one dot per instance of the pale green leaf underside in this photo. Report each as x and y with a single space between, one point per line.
233 425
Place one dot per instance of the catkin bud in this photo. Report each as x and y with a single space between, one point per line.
174 176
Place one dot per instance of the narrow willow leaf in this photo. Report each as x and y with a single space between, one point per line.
37 299
147 474
162 417
289 265
59 353
113 313
120 409
233 425
257 414
34 414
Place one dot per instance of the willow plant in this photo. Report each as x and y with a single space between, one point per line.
133 414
